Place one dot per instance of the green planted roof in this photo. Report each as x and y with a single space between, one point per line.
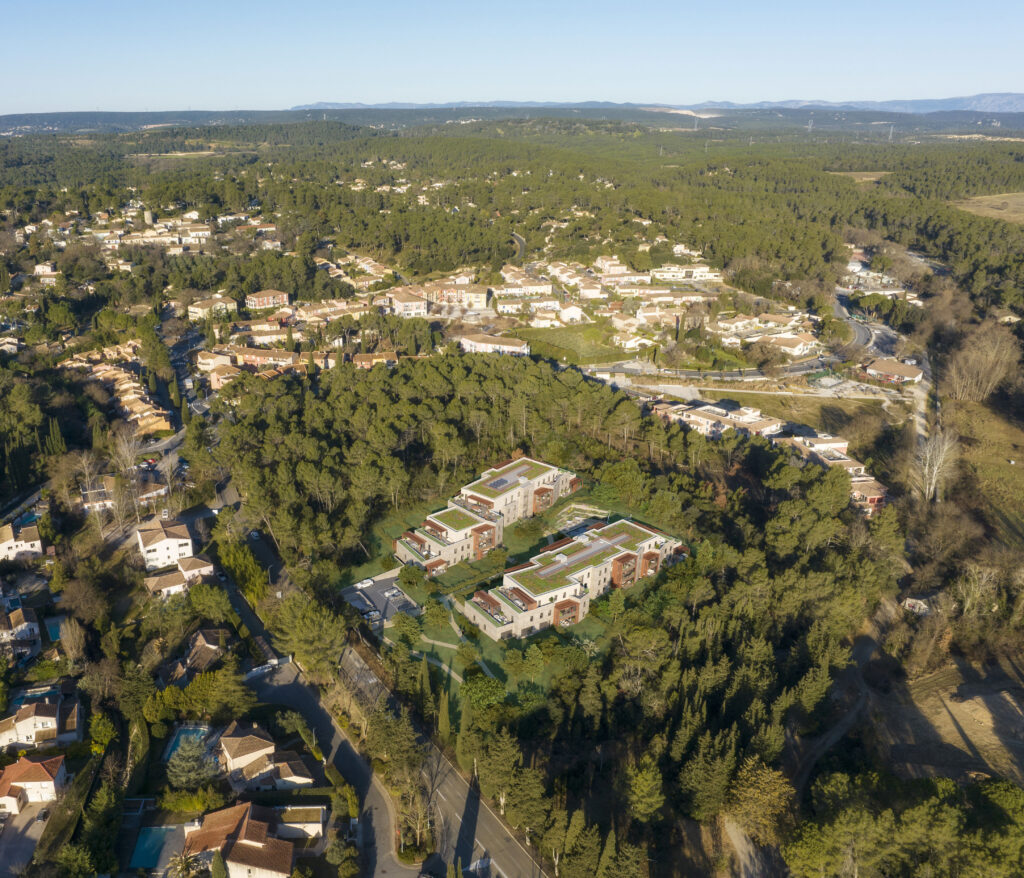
603 544
499 482
455 519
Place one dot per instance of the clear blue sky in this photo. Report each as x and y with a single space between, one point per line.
223 54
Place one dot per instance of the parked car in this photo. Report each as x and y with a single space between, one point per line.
254 535
43 815
222 576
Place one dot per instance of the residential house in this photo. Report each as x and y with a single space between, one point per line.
404 303
21 544
205 648
31 779
162 543
825 450
590 291
241 745
481 343
102 493
739 323
610 265
368 361
266 299
470 296
19 633
244 836
189 569
556 587
894 371
216 305
281 770
223 375
49 721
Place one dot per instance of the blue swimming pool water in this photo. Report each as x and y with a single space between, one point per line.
185 732
148 847
53 627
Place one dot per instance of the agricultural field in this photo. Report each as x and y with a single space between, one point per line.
1008 206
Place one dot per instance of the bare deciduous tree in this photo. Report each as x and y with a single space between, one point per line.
986 357
935 460
72 639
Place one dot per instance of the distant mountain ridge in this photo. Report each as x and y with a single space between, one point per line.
990 102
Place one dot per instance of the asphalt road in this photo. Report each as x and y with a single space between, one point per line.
861 333
467 828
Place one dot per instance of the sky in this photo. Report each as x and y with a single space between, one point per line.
75 55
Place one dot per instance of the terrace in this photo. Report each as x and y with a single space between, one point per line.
454 519
475 508
499 482
556 568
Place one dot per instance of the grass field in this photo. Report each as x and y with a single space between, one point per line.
577 344
989 443
1009 206
861 176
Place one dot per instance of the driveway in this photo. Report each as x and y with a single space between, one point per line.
18 841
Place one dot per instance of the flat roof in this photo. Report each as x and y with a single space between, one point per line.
455 519
498 482
548 571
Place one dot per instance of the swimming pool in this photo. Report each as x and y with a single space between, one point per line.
198 732
150 845
53 624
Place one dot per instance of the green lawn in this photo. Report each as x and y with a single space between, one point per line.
576 344
391 526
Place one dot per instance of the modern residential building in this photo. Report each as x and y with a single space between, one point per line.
681 273
21 544
266 299
557 586
163 543
462 532
475 520
519 488
714 419
894 371
481 343
31 779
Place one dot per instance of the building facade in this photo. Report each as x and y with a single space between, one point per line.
556 587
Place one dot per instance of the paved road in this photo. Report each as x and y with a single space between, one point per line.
18 841
467 828
861 334
521 245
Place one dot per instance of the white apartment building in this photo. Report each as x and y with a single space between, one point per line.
481 343
519 488
714 419
557 586
681 273
163 543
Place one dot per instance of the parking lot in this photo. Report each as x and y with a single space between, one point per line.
18 841
380 598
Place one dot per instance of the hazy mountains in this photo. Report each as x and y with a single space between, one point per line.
995 102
